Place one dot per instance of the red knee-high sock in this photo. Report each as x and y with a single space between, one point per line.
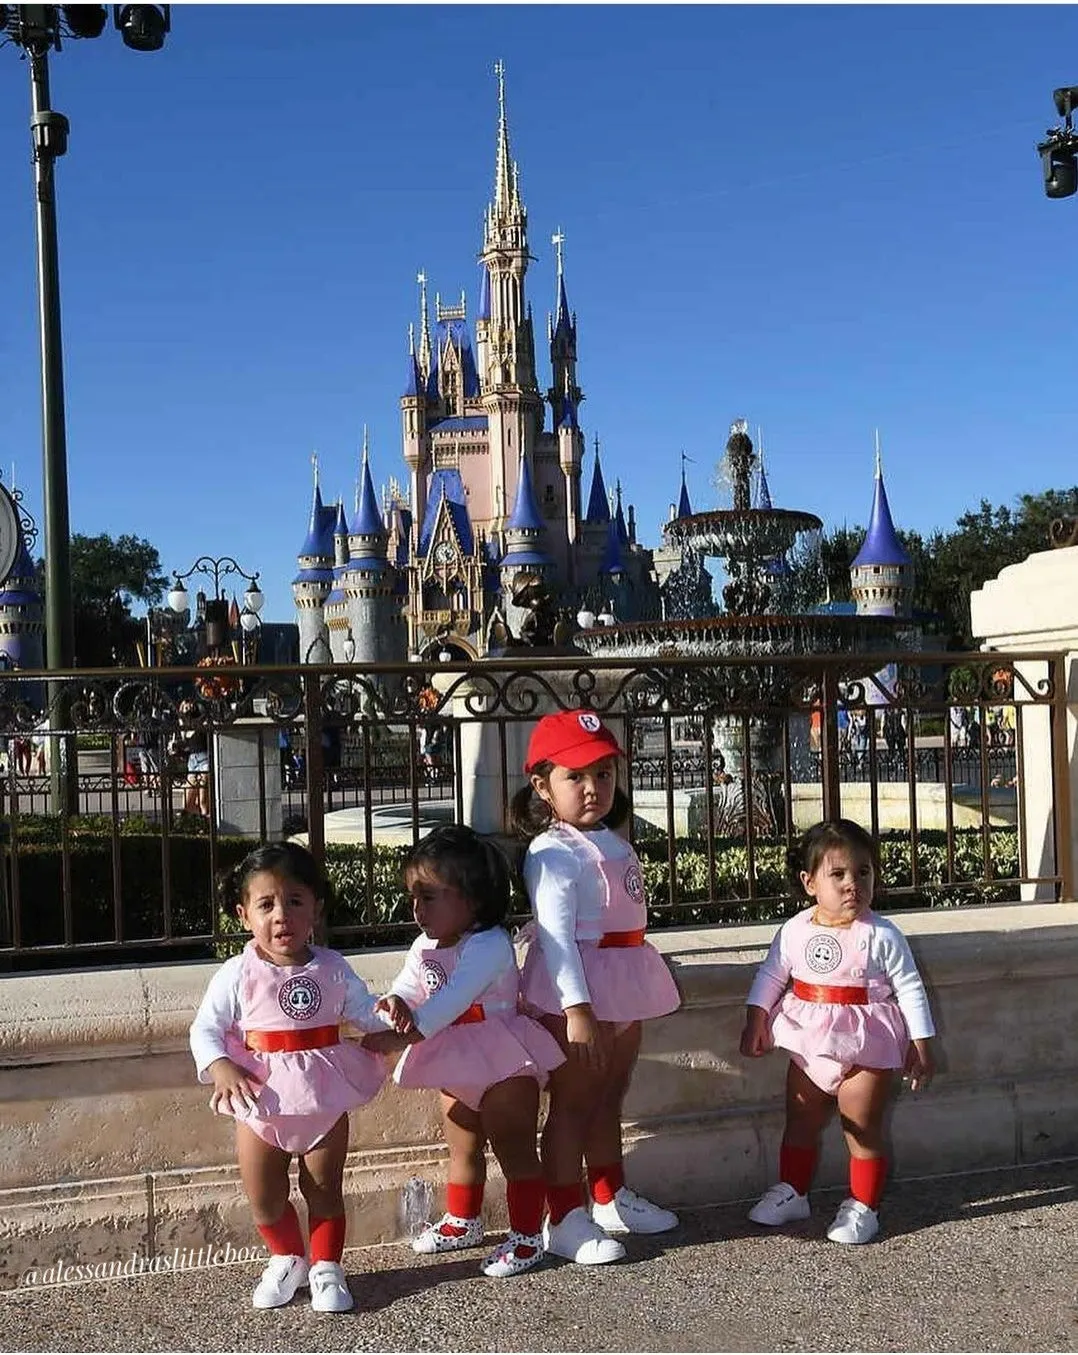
867 1175
797 1166
285 1237
562 1200
327 1238
526 1200
605 1182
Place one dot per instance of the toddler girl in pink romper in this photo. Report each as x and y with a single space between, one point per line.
840 991
454 1008
268 1036
590 975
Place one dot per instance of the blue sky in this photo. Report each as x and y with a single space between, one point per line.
822 219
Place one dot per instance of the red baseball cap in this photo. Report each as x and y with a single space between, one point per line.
572 738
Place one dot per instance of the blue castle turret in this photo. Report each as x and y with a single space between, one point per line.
881 575
311 586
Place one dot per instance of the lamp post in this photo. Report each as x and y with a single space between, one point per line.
218 568
37 29
1059 148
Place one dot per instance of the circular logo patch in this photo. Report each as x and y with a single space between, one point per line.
823 953
300 998
634 883
589 723
434 976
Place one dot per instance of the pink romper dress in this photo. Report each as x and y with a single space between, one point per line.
627 978
304 1091
489 1041
827 1039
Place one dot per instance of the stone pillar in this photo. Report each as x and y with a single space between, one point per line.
1033 606
236 778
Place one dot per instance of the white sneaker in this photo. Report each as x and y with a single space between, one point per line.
628 1212
507 1259
779 1204
854 1223
432 1239
279 1282
578 1238
329 1288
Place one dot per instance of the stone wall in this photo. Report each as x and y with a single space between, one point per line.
108 1146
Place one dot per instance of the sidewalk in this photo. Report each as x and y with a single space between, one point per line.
980 1262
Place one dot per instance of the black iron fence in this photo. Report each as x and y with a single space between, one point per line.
125 793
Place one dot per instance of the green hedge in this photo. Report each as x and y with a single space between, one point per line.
38 861
39 865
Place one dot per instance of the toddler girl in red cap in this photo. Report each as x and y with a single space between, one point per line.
590 975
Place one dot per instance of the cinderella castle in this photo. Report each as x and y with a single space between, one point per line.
494 510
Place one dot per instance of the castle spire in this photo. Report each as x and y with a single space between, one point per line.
598 503
881 545
505 188
684 506
424 325
362 470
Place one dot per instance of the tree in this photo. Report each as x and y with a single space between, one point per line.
107 576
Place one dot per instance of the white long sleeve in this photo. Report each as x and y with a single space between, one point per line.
218 1012
890 951
772 976
552 877
482 958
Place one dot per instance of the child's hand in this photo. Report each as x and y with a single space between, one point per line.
586 1046
388 1041
234 1091
398 1011
756 1036
919 1065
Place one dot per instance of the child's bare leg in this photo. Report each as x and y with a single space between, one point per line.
264 1173
808 1110
321 1183
510 1112
462 1225
466 1140
510 1119
617 1210
321 1173
602 1147
573 1091
862 1101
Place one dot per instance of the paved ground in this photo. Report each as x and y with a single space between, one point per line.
985 1262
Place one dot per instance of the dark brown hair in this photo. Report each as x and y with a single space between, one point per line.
464 860
286 859
530 815
819 840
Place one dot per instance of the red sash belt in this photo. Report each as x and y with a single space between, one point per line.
820 992
291 1041
474 1013
620 939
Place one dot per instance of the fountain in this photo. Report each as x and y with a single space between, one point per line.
765 614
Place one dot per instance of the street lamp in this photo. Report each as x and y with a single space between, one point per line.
1059 148
218 568
37 29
